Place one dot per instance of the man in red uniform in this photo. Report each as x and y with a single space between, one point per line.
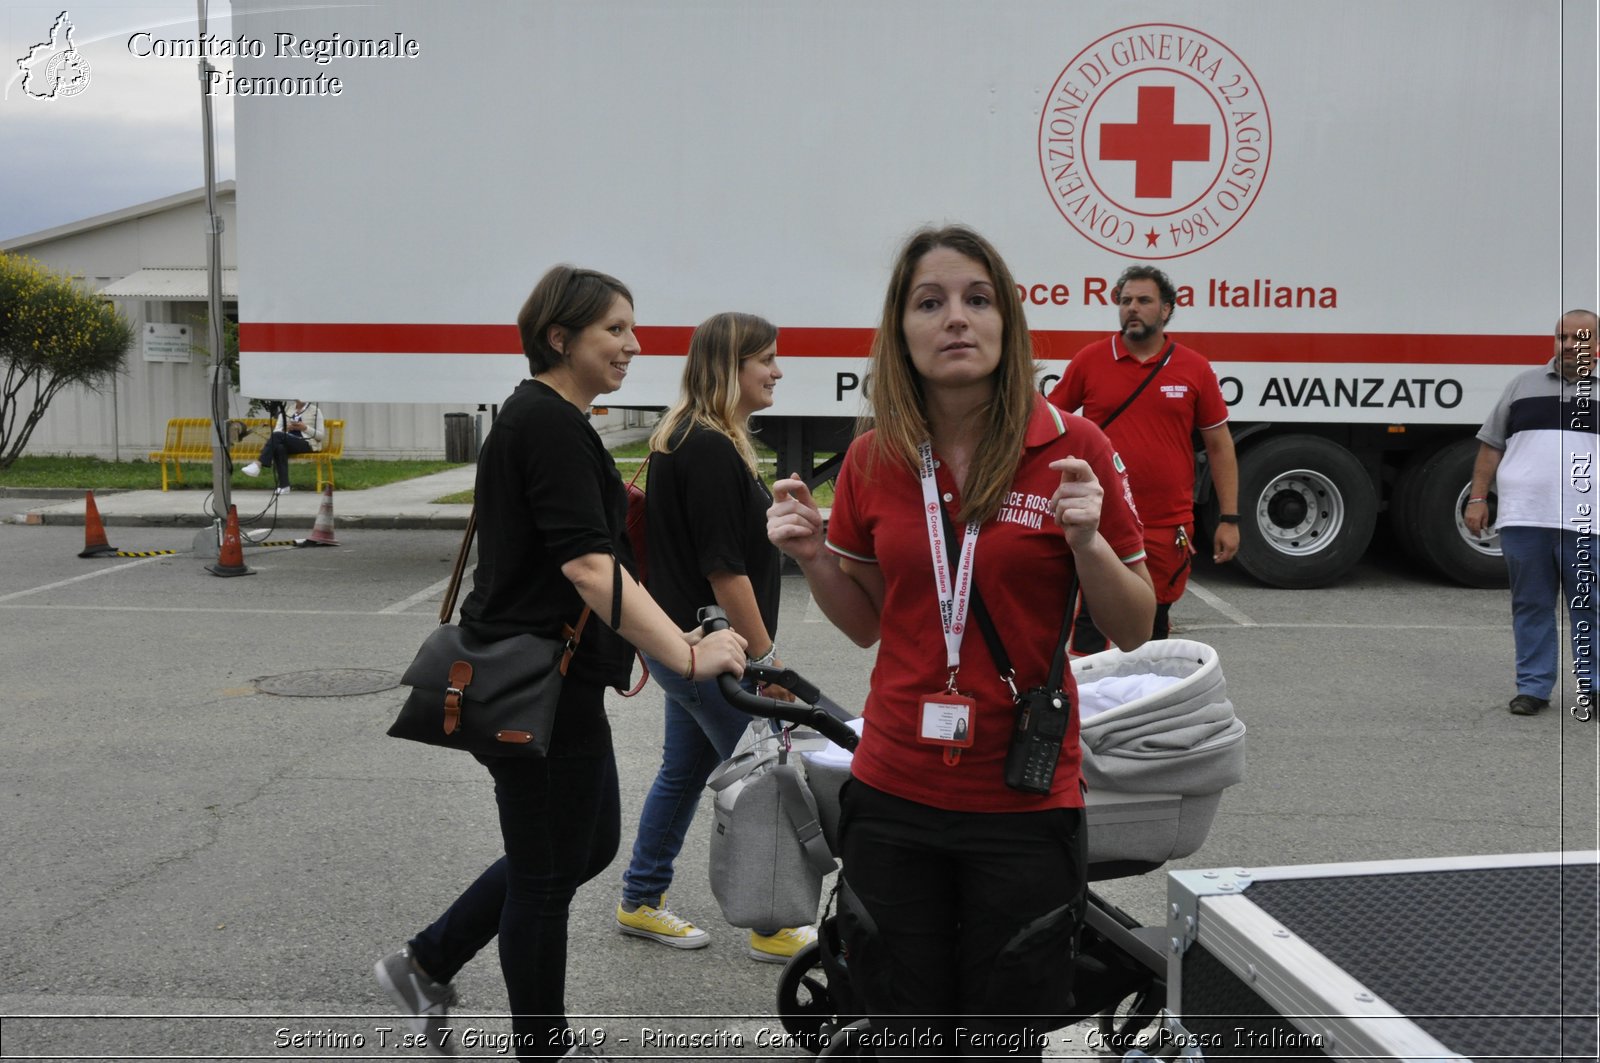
1150 395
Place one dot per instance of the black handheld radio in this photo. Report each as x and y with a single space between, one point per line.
1042 719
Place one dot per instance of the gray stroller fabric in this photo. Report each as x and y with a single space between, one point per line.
1181 739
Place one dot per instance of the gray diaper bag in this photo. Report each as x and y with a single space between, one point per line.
768 854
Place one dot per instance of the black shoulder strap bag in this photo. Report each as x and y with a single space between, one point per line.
1166 356
491 698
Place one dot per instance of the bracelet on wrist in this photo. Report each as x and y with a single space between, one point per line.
1470 501
690 673
1229 518
765 659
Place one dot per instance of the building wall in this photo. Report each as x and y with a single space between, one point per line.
126 419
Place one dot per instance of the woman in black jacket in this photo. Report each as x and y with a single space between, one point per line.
551 516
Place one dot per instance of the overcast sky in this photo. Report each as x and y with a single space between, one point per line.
131 135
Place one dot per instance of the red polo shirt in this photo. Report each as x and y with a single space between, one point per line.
1021 568
1154 433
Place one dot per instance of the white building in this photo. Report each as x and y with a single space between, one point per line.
150 259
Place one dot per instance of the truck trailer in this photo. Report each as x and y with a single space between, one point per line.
1374 212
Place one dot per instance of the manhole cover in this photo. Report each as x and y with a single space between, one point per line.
328 683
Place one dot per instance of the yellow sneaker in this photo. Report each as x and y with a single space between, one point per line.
660 924
778 947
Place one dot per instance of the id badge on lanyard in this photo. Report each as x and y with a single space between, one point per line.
947 718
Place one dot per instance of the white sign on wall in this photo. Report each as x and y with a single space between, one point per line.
168 343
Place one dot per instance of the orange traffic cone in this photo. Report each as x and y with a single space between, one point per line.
230 561
94 532
322 530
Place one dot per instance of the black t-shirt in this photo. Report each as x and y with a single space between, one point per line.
548 492
705 512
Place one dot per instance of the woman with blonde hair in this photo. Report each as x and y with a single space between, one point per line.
970 496
706 521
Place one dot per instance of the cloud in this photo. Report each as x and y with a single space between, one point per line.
134 134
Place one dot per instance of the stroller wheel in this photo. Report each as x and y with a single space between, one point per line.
847 1041
805 1006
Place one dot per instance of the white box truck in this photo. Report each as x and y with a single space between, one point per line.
1375 211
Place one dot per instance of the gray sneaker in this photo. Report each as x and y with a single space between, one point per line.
425 1003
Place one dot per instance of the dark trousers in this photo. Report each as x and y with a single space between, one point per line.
960 921
1087 638
561 819
276 453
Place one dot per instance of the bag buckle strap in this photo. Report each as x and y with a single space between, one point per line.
573 635
460 678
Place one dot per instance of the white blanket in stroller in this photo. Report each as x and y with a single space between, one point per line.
1158 720
1160 743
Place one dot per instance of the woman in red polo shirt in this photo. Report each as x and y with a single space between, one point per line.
964 895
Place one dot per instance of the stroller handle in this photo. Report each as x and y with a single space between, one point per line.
803 711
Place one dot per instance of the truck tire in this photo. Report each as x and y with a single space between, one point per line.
1306 511
1426 515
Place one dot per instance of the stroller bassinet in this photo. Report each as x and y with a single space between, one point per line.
1160 743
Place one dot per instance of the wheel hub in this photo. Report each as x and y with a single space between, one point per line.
1490 544
1300 512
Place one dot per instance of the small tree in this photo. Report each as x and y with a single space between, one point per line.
52 334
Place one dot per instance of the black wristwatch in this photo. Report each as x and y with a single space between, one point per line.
1229 518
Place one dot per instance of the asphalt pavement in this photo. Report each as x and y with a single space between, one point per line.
209 839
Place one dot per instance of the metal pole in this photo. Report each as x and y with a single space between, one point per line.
221 463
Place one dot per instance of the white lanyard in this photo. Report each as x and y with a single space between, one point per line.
955 595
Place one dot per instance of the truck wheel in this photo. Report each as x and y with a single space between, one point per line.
1427 516
1306 511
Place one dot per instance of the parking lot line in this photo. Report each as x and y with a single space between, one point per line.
1220 605
421 596
78 579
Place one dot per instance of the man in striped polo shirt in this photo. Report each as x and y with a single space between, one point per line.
1539 449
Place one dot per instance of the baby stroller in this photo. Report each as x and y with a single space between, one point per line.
1160 743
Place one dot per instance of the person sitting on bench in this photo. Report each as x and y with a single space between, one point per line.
296 429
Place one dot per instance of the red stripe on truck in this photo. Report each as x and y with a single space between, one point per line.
803 342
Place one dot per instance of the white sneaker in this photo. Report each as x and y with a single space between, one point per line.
424 1003
280 490
253 469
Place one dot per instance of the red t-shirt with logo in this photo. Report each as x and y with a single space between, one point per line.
1154 433
1022 566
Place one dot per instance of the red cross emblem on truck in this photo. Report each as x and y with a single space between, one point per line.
1154 141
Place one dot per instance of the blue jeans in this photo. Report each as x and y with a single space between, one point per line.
1549 569
560 820
701 729
275 453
